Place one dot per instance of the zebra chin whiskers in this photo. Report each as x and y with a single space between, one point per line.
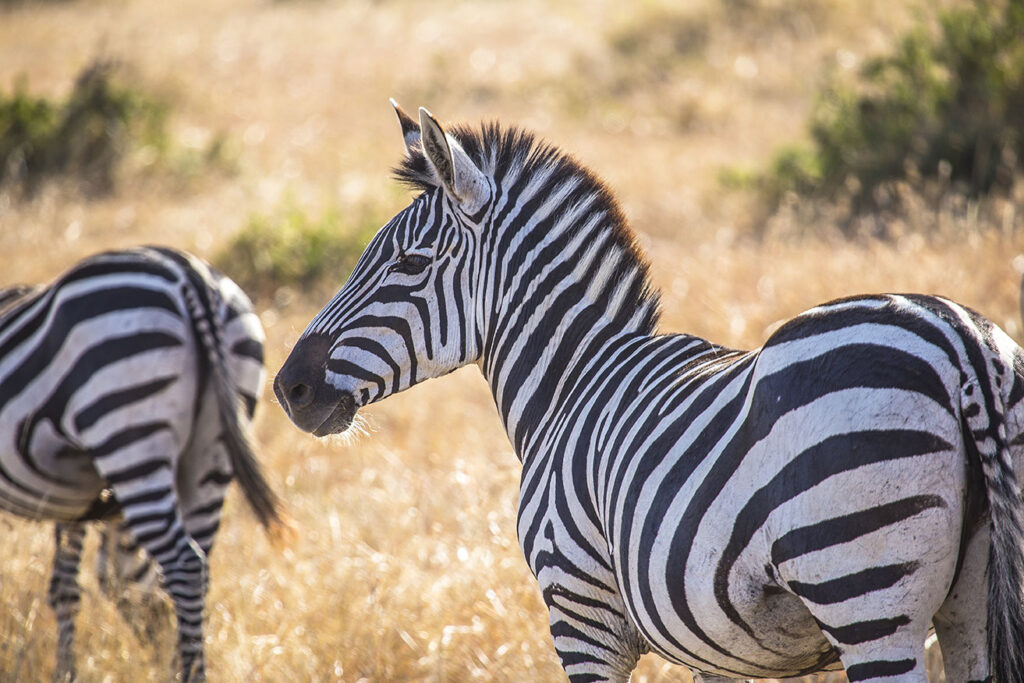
360 428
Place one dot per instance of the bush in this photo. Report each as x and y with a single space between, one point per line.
84 137
944 105
288 249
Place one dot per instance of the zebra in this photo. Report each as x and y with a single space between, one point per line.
126 391
816 504
126 574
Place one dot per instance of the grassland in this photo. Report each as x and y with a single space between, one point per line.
406 566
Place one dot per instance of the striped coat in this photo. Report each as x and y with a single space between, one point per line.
126 388
818 503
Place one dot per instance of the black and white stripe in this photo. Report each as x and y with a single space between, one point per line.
126 389
819 503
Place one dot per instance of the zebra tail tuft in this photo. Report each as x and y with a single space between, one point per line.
264 502
1006 548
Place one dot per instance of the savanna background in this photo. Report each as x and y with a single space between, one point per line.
770 154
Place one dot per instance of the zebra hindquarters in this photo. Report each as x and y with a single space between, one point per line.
961 624
872 549
203 475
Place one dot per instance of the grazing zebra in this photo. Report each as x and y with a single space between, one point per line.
816 504
126 391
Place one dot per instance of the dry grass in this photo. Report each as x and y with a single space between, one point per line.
407 566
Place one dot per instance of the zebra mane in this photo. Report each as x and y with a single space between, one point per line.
512 152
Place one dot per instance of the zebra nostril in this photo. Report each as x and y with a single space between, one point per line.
300 394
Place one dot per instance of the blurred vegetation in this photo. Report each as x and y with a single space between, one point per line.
87 137
661 64
84 137
288 250
10 4
945 106
654 43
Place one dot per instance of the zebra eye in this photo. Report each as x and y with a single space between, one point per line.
410 264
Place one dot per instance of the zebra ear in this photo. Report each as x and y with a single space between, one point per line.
459 175
410 129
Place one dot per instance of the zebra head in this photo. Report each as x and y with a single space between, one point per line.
404 315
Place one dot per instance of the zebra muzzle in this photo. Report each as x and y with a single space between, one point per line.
314 405
339 419
320 411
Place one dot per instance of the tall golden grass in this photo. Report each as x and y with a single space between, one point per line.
406 566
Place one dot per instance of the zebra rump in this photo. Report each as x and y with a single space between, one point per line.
127 387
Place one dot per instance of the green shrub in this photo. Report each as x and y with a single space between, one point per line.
84 137
290 249
946 104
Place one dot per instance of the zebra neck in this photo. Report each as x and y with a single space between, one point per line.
576 381
562 278
565 291
537 360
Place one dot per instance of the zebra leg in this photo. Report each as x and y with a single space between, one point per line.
603 649
65 595
130 579
961 622
868 656
204 474
152 513
882 648
876 618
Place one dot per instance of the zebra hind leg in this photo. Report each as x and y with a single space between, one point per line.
130 579
876 618
152 513
960 623
867 655
65 595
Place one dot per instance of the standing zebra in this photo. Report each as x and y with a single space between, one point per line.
126 388
813 505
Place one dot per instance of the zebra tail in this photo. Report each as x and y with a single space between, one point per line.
1006 518
264 502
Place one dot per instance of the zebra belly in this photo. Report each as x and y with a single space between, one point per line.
42 476
795 644
33 496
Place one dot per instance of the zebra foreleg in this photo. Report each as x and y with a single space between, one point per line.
65 595
591 647
152 513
